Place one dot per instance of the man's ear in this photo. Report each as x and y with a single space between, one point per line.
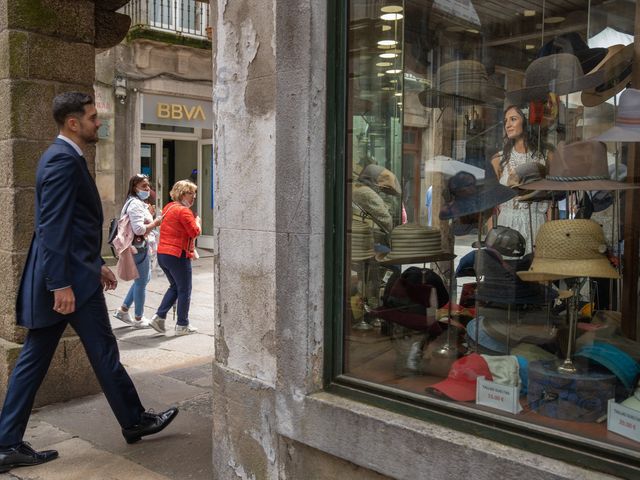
71 123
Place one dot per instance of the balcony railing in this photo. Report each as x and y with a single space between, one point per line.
187 17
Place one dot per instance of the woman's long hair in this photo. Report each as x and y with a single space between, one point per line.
529 138
133 183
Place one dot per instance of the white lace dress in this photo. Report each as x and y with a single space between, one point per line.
525 217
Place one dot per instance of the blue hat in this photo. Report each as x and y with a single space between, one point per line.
617 361
484 339
523 363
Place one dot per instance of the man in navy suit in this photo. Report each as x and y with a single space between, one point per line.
62 283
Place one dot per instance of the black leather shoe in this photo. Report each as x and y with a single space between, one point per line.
24 456
150 423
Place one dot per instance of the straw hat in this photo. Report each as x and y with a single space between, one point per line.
579 166
560 73
569 248
616 68
412 243
361 241
627 126
467 197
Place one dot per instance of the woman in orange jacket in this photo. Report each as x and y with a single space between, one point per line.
176 249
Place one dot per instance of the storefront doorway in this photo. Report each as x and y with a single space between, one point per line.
169 159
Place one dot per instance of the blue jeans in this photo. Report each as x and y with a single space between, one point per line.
138 290
178 272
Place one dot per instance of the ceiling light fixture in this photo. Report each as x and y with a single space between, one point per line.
393 71
388 55
387 43
529 13
391 16
384 64
551 20
391 9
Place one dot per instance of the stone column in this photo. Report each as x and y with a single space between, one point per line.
46 47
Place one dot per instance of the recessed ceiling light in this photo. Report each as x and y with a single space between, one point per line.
398 94
393 71
384 64
554 20
380 74
386 28
391 16
391 9
472 30
393 81
529 46
388 55
529 13
387 43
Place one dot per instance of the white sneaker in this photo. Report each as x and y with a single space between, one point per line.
157 324
123 316
142 323
185 330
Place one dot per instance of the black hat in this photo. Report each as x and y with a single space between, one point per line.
466 196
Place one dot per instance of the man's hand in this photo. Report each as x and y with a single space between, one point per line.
107 278
64 301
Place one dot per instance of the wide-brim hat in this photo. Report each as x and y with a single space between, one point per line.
468 79
615 360
531 329
567 249
361 240
573 43
627 124
616 69
477 329
579 166
560 73
468 197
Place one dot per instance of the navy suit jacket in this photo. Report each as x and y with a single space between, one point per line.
66 244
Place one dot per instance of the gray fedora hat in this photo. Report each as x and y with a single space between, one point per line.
627 125
560 73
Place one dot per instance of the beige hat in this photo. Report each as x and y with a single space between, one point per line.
414 243
504 369
569 248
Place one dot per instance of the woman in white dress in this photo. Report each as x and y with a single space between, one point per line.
519 148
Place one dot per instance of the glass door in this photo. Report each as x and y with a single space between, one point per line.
151 165
205 192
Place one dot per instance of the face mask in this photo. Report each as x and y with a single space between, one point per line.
143 194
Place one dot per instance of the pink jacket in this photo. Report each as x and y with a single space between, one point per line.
126 267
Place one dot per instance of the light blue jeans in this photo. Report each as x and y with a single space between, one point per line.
138 290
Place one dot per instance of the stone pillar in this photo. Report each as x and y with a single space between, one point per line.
244 373
46 47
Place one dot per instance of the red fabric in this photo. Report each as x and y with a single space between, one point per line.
178 230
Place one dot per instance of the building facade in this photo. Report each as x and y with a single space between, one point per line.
318 374
153 92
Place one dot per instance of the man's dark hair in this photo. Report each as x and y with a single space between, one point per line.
69 103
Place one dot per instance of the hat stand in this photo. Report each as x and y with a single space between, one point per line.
567 366
449 350
363 325
476 302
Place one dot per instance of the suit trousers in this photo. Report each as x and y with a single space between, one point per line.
91 323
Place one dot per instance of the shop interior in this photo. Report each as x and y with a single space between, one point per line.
492 172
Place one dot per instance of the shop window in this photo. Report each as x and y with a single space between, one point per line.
490 245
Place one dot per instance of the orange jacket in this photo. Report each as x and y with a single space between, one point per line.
178 230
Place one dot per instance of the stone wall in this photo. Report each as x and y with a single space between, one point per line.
46 47
271 419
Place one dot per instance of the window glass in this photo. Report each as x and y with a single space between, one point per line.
490 254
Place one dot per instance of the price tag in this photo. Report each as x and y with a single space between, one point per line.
623 420
502 397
